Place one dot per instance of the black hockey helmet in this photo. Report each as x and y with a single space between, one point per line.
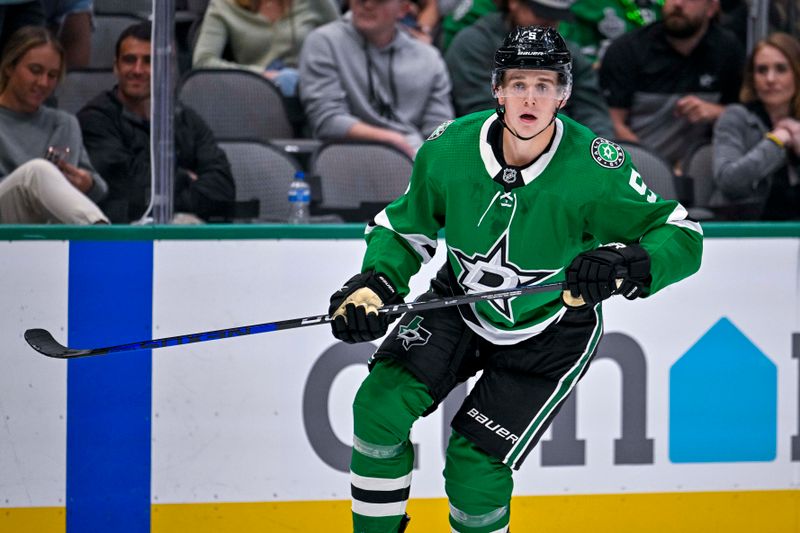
537 48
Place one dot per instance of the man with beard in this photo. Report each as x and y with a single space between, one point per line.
666 83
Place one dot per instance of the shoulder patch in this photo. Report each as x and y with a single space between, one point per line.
607 154
439 130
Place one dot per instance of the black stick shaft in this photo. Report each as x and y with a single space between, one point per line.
43 342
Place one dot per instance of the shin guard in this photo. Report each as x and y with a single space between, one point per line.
479 489
385 407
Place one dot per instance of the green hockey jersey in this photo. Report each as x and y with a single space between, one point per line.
582 192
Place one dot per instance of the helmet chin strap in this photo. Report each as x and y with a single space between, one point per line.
501 113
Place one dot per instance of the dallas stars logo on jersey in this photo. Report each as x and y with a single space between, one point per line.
607 154
413 334
494 271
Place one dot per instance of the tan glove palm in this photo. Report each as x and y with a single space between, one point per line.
354 307
364 297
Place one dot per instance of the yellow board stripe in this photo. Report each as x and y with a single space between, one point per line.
33 519
689 512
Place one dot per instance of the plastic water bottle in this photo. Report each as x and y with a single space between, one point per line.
299 198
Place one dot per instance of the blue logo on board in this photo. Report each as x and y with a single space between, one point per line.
723 400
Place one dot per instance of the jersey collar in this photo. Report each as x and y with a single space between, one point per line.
530 173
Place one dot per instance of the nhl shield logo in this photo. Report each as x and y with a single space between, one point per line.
413 334
509 175
607 154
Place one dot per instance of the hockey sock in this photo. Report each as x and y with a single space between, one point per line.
386 405
479 488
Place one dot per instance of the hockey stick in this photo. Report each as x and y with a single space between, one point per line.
43 342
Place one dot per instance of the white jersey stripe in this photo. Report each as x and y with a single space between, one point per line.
379 509
420 243
377 483
679 217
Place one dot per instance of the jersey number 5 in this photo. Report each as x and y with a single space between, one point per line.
638 185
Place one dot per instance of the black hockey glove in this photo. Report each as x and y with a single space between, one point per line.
592 276
354 307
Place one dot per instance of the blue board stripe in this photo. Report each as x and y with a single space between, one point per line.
109 397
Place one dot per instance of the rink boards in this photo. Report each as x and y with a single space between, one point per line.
686 421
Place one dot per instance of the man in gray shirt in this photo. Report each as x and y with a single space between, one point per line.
364 78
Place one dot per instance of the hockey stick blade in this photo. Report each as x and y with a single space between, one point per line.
43 341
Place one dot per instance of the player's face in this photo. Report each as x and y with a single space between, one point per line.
33 78
376 17
530 97
132 68
773 77
684 18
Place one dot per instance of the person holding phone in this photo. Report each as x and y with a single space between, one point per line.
45 172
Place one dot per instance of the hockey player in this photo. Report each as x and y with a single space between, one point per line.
524 196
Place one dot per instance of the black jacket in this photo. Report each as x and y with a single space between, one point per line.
118 143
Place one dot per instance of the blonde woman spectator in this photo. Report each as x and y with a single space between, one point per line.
263 36
45 173
757 143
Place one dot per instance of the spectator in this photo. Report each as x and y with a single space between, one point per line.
469 59
757 144
264 36
32 189
116 125
14 14
364 78
597 22
71 20
667 83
